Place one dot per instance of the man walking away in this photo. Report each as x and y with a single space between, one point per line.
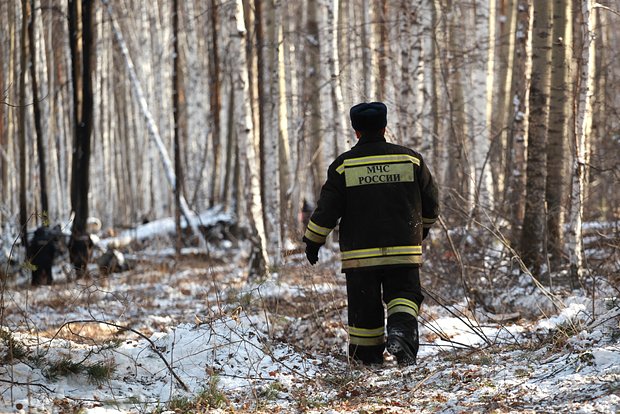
385 200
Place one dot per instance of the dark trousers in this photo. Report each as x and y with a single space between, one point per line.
367 292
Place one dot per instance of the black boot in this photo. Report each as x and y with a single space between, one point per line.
404 343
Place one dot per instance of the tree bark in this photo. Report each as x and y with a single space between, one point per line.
559 108
80 33
23 203
583 126
268 55
215 104
503 117
41 150
312 98
176 111
518 125
250 199
534 222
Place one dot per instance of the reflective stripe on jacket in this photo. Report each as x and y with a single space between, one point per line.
382 195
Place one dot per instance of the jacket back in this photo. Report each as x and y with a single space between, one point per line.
383 195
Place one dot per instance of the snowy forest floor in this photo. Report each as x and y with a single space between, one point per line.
194 335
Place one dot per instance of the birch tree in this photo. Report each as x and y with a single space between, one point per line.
23 188
153 129
312 100
534 222
36 107
215 100
176 109
583 126
268 64
518 124
250 198
559 108
503 116
485 144
379 12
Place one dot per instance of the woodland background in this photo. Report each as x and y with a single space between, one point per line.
130 111
224 115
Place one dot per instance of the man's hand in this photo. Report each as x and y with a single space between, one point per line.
312 251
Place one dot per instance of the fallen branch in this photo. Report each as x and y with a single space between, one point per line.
27 384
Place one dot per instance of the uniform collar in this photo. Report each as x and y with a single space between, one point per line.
366 139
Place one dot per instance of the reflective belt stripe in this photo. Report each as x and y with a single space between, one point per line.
366 337
381 251
377 159
427 222
402 305
323 231
381 261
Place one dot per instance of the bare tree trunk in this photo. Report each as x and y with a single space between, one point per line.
365 65
312 98
436 72
518 125
23 204
37 113
215 104
458 170
80 33
503 117
267 36
487 142
250 200
4 159
559 107
583 125
287 213
176 109
534 223
379 32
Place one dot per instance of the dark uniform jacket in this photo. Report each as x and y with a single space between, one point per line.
384 196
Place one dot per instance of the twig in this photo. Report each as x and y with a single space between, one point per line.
462 317
29 384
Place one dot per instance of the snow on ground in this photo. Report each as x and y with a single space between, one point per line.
564 363
160 335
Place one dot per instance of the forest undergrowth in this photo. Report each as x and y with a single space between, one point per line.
492 338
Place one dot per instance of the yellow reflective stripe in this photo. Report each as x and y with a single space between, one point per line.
402 305
428 221
381 251
355 340
403 309
323 231
366 337
366 332
377 159
315 237
381 261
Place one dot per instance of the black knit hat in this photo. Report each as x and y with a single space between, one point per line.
368 116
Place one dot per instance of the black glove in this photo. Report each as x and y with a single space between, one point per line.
312 251
425 232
